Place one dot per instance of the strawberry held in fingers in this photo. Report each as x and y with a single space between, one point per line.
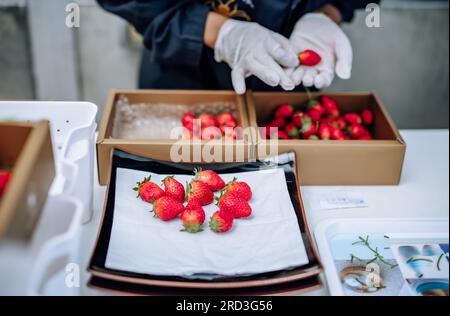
284 110
234 204
210 178
166 208
330 106
148 191
193 219
240 188
221 222
309 58
367 117
5 177
199 193
174 189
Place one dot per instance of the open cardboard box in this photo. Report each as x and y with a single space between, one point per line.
377 162
161 148
27 149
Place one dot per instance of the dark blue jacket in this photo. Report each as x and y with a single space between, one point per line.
175 56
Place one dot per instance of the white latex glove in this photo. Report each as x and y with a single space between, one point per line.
318 32
251 49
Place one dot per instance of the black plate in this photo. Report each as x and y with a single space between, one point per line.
121 159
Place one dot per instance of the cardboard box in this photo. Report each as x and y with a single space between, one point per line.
161 148
27 149
377 162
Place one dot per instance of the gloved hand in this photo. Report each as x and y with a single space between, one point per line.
251 49
318 32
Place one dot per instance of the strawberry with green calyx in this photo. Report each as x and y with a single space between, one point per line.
284 110
367 117
353 118
330 106
174 189
210 178
298 117
166 208
309 128
240 188
309 58
292 131
315 110
193 219
340 123
356 131
221 222
235 205
149 191
5 177
198 193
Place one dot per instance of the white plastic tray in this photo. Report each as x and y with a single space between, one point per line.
329 229
73 128
39 267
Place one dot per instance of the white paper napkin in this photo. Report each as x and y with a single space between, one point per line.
268 241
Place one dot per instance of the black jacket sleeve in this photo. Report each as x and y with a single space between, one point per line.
348 7
173 30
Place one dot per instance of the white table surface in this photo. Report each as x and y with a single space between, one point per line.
423 192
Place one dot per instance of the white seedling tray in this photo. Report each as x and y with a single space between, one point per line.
73 129
329 229
39 268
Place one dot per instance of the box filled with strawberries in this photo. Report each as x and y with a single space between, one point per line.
27 170
339 138
152 121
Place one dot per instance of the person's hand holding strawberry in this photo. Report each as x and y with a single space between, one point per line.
319 33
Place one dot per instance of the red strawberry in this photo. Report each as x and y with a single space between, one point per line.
193 219
315 114
284 110
211 133
149 191
199 193
234 204
340 123
356 130
240 188
309 58
366 136
298 117
309 128
221 222
327 121
226 119
367 117
188 121
174 189
291 130
324 132
282 135
316 106
229 133
210 178
207 120
353 118
331 106
5 177
166 208
278 122
337 133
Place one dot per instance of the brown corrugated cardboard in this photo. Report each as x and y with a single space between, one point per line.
161 149
377 162
27 149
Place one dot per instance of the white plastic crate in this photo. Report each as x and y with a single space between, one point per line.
39 267
73 129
